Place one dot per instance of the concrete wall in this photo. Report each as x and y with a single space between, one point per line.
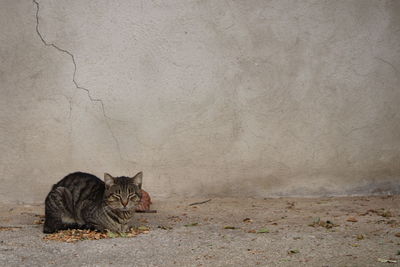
228 98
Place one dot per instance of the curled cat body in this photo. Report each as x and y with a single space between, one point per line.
83 201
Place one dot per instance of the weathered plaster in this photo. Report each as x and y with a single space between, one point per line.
98 100
257 98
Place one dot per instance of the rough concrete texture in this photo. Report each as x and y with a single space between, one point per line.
250 98
364 234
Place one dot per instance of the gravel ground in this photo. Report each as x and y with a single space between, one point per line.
361 231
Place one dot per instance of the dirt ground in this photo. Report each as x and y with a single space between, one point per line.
350 231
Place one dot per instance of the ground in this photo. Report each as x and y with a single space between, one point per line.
349 231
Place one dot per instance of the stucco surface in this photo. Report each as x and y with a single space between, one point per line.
227 98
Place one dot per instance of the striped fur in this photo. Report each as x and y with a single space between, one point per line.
83 201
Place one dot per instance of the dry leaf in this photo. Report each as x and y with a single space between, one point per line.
164 227
293 251
4 228
145 202
386 261
360 236
191 224
352 219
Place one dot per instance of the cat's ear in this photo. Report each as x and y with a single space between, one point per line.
108 180
137 179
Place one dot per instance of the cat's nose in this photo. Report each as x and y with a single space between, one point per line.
124 203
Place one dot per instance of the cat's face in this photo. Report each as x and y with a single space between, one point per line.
123 193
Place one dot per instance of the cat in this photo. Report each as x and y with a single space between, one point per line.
83 201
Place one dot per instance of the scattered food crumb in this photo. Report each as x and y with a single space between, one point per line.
40 221
290 204
143 220
381 212
174 218
74 235
327 224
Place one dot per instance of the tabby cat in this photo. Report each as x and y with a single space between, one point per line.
83 201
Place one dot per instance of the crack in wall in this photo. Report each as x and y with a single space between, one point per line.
390 64
92 99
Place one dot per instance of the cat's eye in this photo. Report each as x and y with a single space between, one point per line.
114 197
